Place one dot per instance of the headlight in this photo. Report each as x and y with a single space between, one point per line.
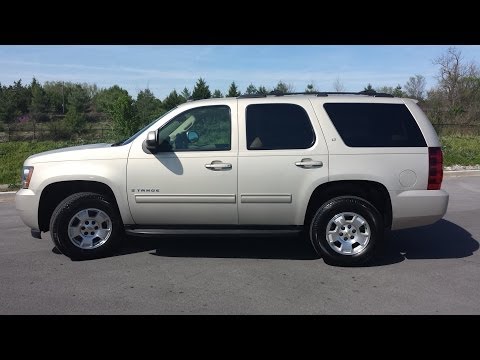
27 172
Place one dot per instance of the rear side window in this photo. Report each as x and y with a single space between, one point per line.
278 126
375 125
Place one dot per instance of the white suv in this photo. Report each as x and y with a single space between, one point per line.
339 168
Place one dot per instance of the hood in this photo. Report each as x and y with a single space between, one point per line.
83 152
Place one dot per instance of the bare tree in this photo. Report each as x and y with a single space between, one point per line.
452 73
338 85
415 87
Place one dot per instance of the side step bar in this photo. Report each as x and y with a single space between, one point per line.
213 232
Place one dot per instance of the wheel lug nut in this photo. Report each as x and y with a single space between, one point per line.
83 227
341 234
92 233
96 227
86 222
345 238
349 226
351 237
85 233
343 227
354 231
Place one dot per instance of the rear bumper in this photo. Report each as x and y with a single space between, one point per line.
26 202
417 207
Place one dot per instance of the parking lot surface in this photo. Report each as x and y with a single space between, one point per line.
428 270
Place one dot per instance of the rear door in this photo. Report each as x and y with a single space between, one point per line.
282 153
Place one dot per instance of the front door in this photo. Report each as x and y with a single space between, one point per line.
193 178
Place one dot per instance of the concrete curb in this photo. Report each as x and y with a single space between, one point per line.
461 173
7 192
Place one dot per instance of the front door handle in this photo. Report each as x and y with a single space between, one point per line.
309 163
218 166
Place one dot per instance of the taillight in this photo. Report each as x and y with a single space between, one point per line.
435 168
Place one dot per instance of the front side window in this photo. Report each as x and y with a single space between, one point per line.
278 126
205 128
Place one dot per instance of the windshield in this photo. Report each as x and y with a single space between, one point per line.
134 136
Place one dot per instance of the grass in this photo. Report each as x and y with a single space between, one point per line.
457 150
13 154
460 150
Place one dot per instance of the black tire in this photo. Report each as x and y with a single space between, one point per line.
68 208
346 204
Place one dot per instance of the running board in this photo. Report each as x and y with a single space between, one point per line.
212 232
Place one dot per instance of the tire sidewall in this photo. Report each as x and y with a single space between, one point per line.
70 207
336 206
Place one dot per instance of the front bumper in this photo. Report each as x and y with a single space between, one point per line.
417 207
26 202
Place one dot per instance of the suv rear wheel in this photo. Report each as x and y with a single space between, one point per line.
346 231
86 226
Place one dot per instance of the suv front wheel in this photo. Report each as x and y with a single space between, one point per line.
346 231
86 226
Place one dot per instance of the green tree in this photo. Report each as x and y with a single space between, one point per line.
369 87
385 90
8 110
105 98
251 89
122 112
262 90
310 88
148 107
78 99
186 93
398 92
233 90
75 121
217 94
91 89
201 90
22 96
173 100
77 106
15 101
395 91
57 93
283 87
39 103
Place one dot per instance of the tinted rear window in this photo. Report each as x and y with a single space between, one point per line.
375 125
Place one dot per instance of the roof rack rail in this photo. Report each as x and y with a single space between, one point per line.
364 92
317 93
247 96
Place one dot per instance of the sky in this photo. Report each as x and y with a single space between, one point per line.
163 68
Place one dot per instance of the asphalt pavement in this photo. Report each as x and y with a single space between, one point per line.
429 270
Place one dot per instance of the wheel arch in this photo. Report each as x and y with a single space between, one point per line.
54 193
372 191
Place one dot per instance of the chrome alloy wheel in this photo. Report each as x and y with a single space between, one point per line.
348 233
89 228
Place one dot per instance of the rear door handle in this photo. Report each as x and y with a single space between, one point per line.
309 163
218 166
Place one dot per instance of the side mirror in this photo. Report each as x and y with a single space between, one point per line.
151 141
192 136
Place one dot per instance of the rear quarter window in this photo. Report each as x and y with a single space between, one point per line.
375 125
